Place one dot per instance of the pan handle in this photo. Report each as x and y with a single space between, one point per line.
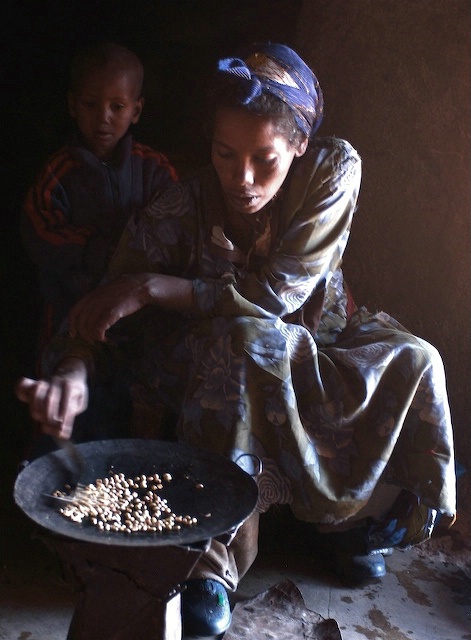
258 464
228 537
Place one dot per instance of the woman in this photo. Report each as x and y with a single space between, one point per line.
233 280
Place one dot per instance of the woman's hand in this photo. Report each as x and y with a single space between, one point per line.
102 307
56 402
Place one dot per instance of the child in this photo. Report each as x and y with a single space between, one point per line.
75 212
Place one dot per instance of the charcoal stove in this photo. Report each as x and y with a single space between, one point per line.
130 584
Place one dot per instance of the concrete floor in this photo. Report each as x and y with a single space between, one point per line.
425 595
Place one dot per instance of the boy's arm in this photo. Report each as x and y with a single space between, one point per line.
158 172
52 240
48 235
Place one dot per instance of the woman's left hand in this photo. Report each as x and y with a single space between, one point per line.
101 308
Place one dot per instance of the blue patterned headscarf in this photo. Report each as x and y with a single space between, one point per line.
279 70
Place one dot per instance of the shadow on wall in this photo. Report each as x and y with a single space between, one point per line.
177 41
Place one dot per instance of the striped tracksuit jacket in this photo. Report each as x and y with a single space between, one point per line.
75 212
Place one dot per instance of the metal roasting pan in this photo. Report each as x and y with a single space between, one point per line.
227 498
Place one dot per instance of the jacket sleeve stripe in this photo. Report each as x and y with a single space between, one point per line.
46 206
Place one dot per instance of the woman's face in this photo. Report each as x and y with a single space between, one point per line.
251 158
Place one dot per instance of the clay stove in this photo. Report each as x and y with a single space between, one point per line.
130 584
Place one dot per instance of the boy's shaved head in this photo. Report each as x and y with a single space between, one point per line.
113 56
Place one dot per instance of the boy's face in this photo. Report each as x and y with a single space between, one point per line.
105 104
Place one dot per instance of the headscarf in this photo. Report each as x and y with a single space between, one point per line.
279 70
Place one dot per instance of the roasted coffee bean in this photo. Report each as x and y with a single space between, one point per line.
128 505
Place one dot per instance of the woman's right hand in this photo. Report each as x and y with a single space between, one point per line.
55 403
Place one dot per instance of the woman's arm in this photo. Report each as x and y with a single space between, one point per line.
99 310
317 216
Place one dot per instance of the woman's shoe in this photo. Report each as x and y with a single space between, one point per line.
205 608
353 561
357 568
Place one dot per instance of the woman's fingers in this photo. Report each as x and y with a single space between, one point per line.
73 397
99 310
83 319
94 314
55 404
24 389
34 393
61 430
39 404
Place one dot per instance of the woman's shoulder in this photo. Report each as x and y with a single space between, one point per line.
170 201
179 198
328 160
331 148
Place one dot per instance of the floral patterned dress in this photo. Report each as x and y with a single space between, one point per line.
269 364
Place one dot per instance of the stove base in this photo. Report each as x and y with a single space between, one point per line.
126 593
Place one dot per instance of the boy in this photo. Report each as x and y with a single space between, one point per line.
75 213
